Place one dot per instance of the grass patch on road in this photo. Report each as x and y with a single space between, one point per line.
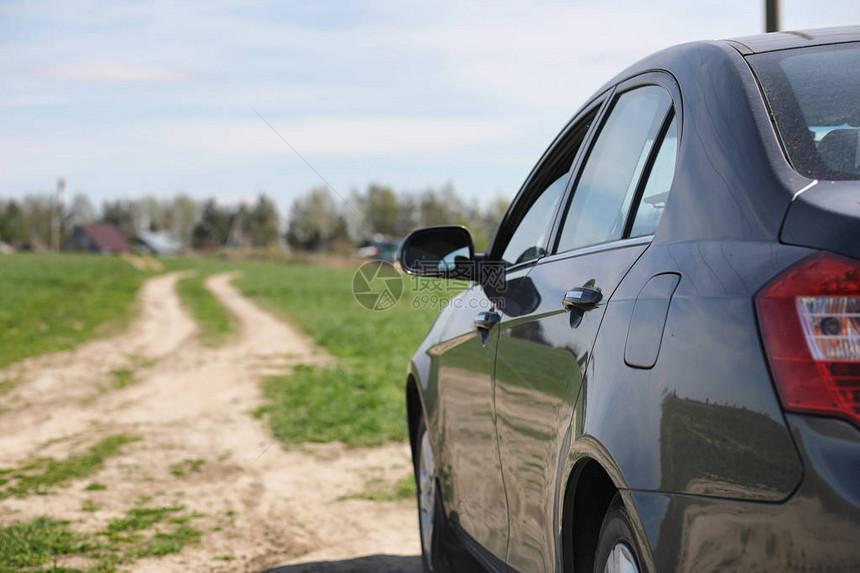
141 532
180 469
37 542
126 376
147 532
40 475
377 489
215 322
54 302
122 377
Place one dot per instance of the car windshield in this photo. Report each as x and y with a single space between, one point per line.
814 95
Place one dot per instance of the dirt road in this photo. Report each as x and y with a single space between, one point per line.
256 503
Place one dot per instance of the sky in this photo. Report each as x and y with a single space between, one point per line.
126 99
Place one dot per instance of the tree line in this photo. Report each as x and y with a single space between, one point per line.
317 220
321 219
189 221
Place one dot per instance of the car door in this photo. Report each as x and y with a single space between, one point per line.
469 469
471 473
543 353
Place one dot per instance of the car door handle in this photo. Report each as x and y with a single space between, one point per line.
487 320
581 298
484 321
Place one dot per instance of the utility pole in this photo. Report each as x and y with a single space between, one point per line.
58 213
771 15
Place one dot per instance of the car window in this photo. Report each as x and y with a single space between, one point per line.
529 240
610 177
650 208
530 235
814 96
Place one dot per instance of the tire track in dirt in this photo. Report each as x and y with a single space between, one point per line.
45 405
270 507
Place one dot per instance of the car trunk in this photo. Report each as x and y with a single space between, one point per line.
827 217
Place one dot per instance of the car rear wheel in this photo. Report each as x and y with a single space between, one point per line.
425 480
617 551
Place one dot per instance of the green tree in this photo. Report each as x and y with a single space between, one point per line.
13 223
439 207
152 214
184 216
81 211
240 228
381 210
38 212
120 214
266 222
315 219
214 226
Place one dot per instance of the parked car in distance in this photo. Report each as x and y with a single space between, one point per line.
379 248
656 365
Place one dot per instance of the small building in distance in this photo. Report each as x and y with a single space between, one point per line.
98 238
158 243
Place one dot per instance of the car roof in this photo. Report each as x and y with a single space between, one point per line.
725 107
759 43
741 47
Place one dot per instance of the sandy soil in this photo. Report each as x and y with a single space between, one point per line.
262 505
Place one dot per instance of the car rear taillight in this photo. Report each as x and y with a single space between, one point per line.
810 322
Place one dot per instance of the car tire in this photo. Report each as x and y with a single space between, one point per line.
617 551
427 493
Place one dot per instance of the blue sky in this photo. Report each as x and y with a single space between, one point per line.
125 99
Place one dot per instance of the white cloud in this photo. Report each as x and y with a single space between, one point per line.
111 72
354 137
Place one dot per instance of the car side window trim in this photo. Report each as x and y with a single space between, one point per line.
646 172
599 248
576 167
598 209
526 196
658 78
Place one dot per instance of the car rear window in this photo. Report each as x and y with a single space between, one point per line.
814 96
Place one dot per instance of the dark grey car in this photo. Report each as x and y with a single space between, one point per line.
656 365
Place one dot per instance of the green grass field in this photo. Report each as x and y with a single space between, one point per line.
54 302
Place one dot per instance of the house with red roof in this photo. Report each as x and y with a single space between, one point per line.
98 238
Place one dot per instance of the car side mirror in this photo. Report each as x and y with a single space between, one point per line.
442 252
